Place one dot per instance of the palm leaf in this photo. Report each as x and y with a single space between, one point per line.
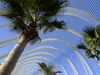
49 26
42 65
98 29
89 54
57 72
48 69
89 32
81 46
16 15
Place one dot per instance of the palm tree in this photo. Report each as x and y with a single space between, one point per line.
92 42
28 17
48 69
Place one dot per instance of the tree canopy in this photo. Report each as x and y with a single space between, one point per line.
92 42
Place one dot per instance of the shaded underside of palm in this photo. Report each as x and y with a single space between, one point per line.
42 12
91 43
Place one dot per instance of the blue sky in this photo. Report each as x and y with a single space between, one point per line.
73 22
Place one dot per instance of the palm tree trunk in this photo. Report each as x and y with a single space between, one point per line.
9 63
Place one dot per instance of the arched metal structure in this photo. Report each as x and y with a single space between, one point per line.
28 65
16 38
52 48
76 51
48 54
27 62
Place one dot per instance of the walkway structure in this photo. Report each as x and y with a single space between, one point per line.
57 48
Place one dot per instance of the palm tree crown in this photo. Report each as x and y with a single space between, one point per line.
29 17
41 13
48 69
92 44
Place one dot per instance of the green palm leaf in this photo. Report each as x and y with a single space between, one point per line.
89 32
92 41
48 69
81 46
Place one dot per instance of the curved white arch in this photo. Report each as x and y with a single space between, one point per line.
16 70
52 48
9 40
67 14
76 16
3 11
65 8
18 37
70 30
23 67
70 8
71 47
76 51
57 14
8 43
27 61
5 25
29 72
48 54
35 70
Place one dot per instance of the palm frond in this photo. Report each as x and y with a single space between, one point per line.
43 66
98 29
81 46
89 32
57 72
49 26
48 8
16 15
89 54
48 69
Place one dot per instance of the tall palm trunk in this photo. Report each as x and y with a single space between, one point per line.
8 65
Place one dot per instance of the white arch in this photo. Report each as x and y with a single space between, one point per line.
48 54
27 62
52 48
29 71
9 39
23 67
5 25
66 8
76 16
76 51
70 8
